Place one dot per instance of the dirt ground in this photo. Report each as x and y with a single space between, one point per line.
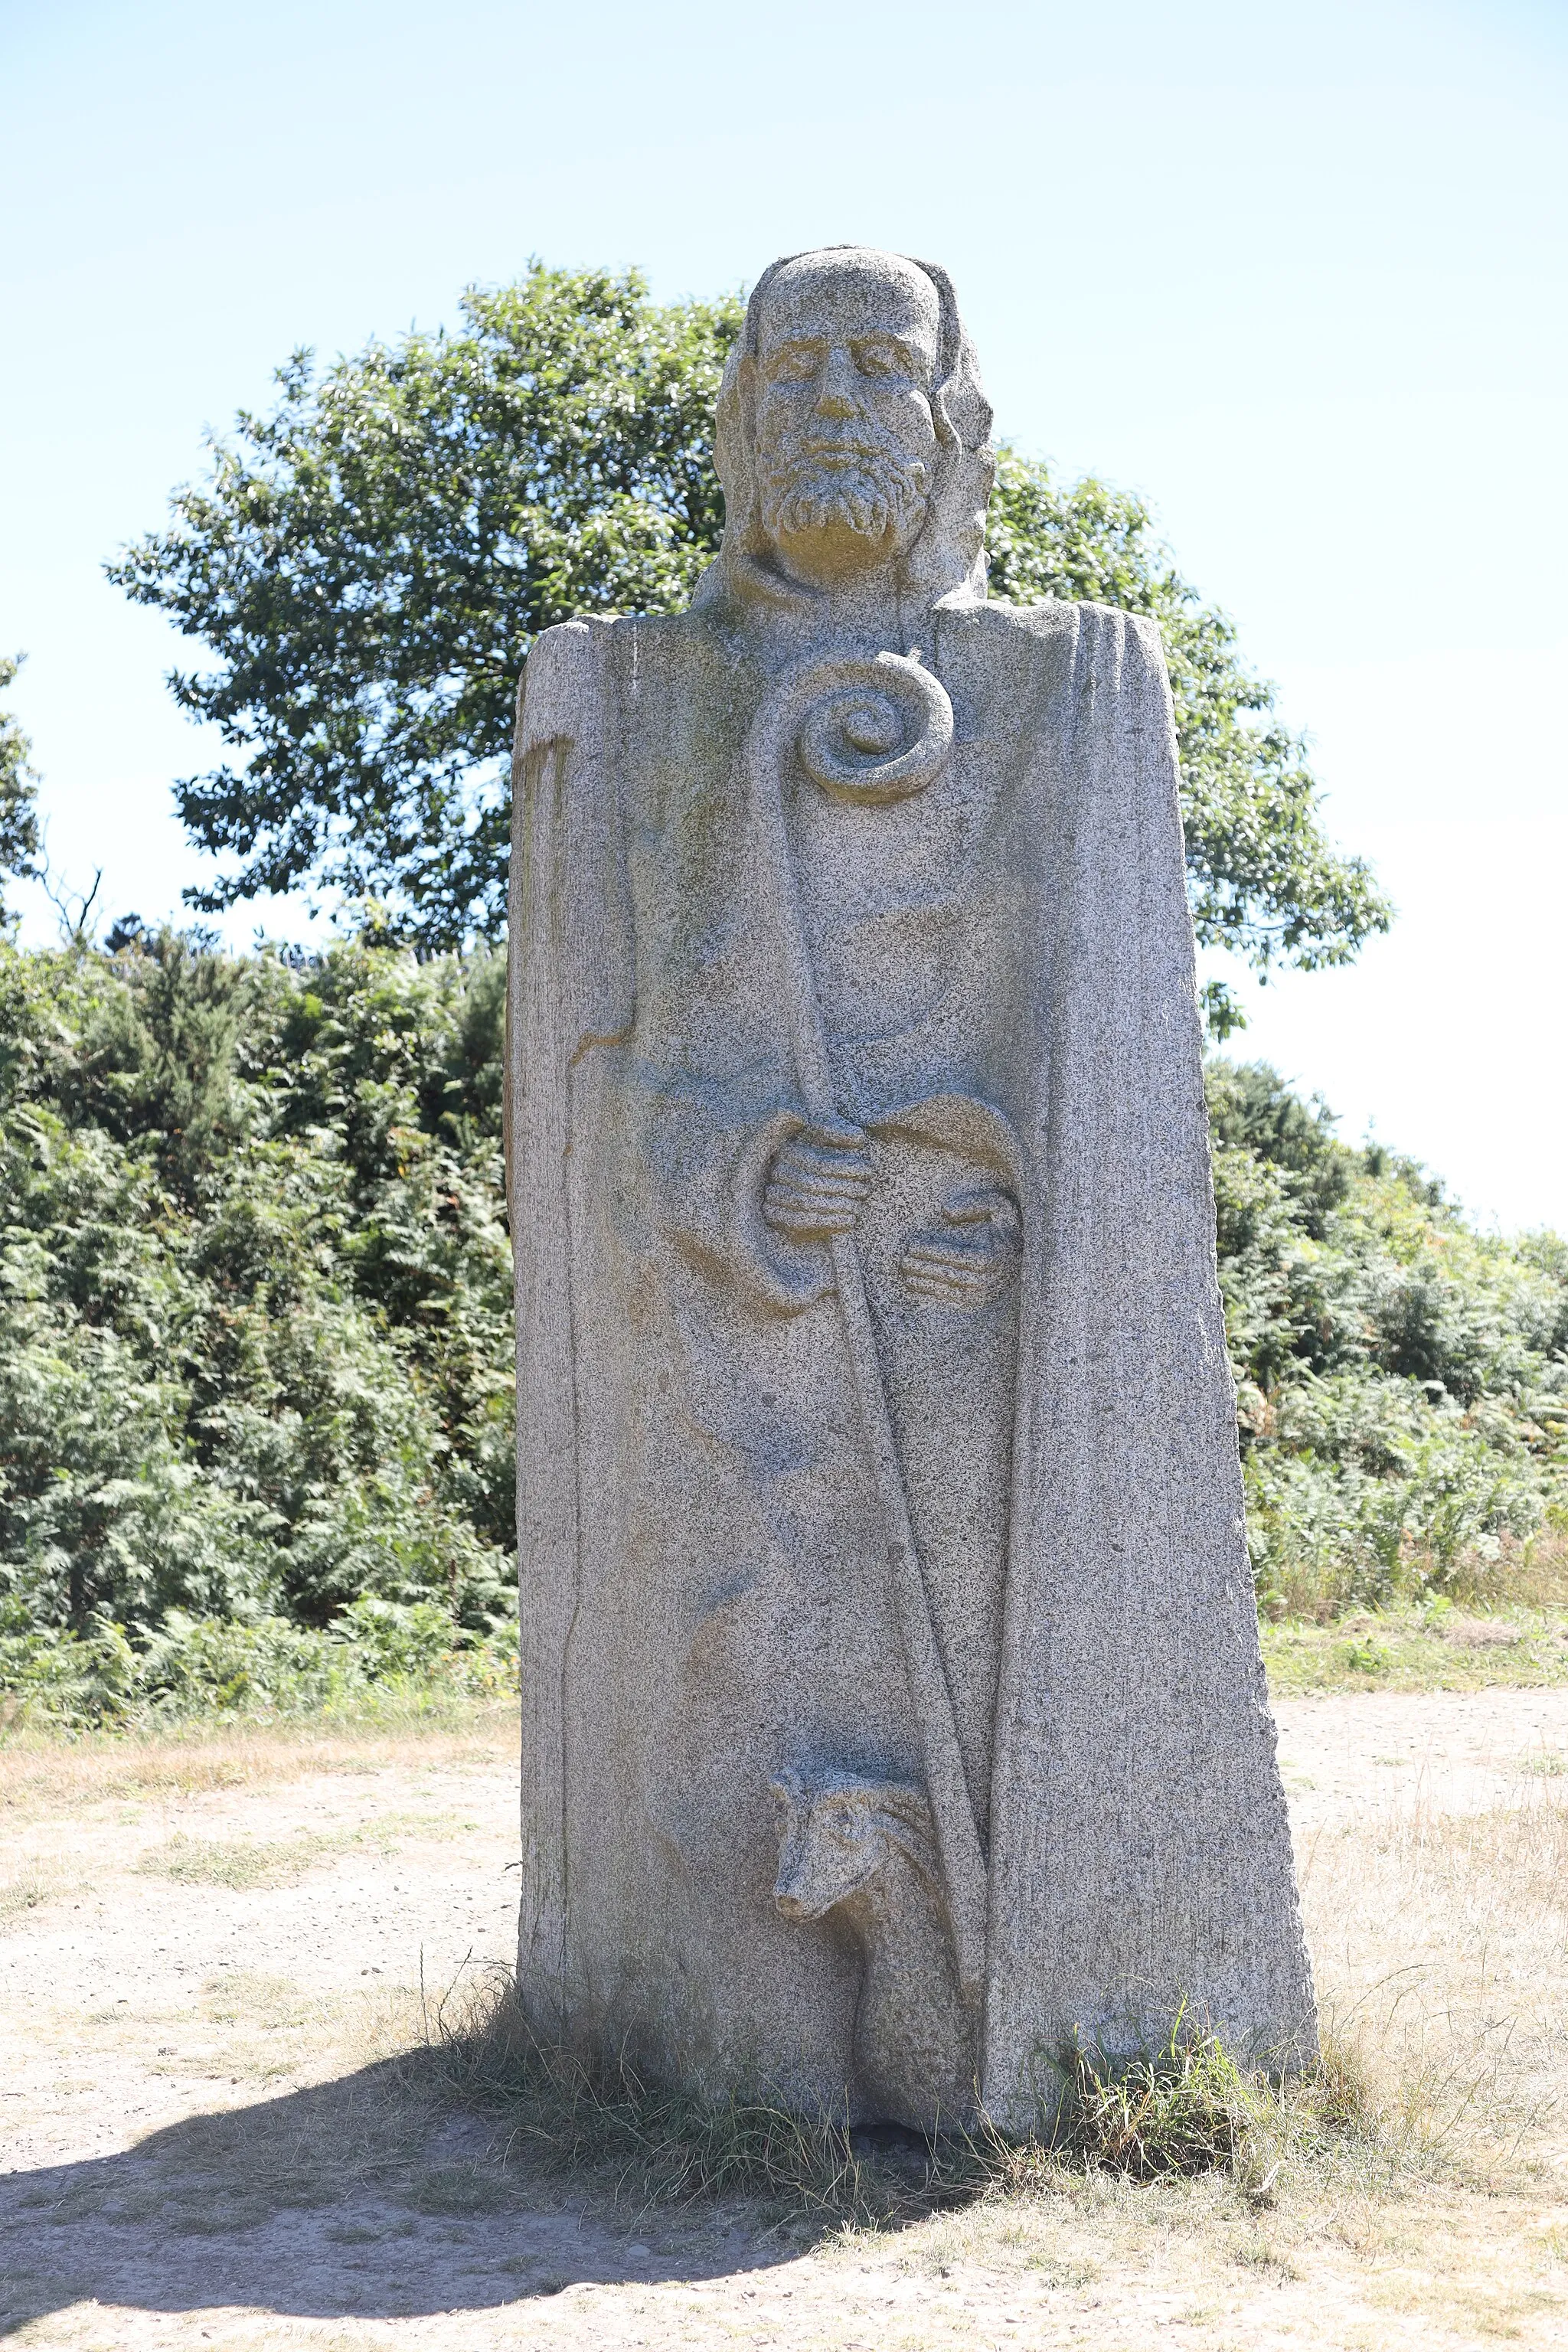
211 1960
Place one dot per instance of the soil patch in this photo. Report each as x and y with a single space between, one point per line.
215 1960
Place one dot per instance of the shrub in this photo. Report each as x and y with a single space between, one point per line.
1402 1379
256 1336
255 1301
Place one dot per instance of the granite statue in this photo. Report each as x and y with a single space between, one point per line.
893 1714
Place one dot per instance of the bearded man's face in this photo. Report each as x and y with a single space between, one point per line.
846 446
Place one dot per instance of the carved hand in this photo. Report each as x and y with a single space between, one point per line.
817 1183
970 1264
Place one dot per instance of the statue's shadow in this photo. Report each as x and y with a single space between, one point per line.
369 2197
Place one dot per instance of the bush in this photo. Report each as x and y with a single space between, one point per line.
379 1660
255 1303
256 1371
1402 1379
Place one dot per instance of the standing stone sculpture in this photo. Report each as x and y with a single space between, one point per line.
893 1711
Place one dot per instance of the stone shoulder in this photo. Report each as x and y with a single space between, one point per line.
1088 637
1058 614
559 681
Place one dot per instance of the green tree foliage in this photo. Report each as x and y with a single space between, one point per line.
1263 879
19 840
369 563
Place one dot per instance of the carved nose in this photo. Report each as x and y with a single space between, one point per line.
791 1904
837 396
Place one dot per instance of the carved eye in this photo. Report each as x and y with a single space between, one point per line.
876 358
796 363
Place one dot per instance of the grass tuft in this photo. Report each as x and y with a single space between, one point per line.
1183 2110
237 1862
26 1892
597 2113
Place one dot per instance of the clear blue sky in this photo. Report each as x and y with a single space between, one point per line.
1294 272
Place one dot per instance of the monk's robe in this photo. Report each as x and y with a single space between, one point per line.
1004 967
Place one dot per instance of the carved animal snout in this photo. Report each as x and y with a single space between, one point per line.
835 1837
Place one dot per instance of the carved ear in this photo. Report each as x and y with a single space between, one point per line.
734 430
789 1795
904 1815
918 1848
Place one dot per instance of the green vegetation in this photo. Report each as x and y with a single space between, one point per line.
1262 879
1403 1380
1430 1643
20 841
368 564
256 1424
255 1435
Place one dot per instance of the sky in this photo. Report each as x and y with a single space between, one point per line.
1294 272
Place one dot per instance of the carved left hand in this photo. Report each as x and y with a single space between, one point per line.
972 1264
817 1183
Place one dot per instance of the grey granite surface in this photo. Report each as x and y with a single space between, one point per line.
893 1711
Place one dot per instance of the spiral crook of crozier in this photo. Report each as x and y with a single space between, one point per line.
872 731
866 732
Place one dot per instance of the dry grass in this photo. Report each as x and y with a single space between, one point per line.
1404 2194
593 2118
27 1892
44 1773
1180 2111
1535 1573
1440 1942
251 1862
238 1862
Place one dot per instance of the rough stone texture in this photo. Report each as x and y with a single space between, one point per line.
893 1712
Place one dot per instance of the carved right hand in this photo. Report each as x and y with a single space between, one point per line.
817 1183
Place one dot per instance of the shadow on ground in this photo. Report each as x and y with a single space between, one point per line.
366 2197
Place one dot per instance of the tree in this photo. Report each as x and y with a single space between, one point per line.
1263 879
20 843
370 562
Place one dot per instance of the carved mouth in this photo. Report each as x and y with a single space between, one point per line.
844 453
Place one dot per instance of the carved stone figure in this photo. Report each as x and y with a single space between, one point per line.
865 1854
893 1711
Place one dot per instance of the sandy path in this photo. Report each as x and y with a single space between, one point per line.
202 2140
402 1864
1456 1751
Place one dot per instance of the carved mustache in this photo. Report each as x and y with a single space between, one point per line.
869 508
869 485
839 450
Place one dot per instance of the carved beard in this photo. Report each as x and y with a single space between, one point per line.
875 490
